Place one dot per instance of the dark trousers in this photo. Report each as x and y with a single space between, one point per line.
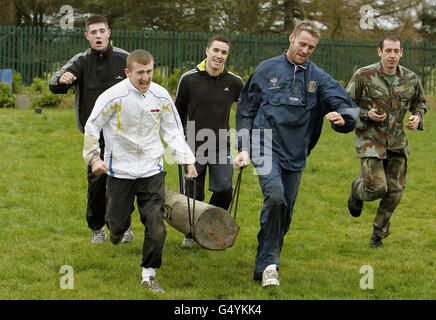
149 193
96 205
220 183
279 188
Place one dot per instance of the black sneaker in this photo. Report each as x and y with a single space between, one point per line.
354 204
116 239
376 241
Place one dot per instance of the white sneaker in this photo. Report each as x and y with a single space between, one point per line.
187 242
128 235
152 285
99 236
270 276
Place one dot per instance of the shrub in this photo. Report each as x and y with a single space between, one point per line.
173 81
170 83
16 82
39 85
46 100
7 99
244 76
158 78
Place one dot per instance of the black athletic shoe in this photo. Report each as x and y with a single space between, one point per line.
376 241
354 205
116 239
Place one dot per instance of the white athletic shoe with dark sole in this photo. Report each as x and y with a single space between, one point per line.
270 276
98 236
187 242
128 235
152 285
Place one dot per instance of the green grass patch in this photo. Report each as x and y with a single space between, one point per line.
42 210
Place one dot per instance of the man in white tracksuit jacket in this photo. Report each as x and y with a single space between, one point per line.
133 114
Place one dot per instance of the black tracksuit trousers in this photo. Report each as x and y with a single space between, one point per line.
96 205
149 193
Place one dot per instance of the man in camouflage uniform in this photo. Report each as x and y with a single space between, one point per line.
384 91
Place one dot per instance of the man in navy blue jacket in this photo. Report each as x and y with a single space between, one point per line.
279 120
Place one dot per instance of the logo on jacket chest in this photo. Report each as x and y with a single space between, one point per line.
312 86
274 83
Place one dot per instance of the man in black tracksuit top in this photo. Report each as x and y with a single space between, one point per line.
204 98
92 72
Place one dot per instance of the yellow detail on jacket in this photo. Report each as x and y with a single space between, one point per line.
118 115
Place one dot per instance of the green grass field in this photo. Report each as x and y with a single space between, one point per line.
42 213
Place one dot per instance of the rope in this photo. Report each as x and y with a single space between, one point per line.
181 180
191 221
236 194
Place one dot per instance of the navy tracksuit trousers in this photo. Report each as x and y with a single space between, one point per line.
279 188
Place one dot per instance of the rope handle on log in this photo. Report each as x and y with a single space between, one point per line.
191 221
236 194
181 180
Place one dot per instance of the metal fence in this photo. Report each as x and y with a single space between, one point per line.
38 52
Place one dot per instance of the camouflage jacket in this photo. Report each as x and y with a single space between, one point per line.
370 89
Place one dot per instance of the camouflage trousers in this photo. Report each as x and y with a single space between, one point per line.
383 179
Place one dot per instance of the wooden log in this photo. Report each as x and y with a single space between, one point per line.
213 228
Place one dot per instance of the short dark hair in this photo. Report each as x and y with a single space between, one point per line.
138 56
389 36
217 38
96 19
